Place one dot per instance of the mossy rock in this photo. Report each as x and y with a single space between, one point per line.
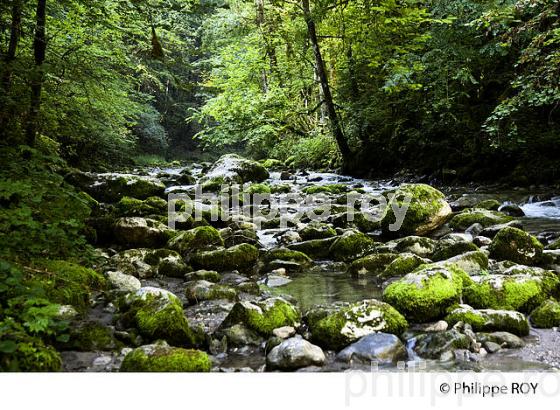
272 163
288 255
317 230
234 169
262 189
337 327
158 314
511 292
241 257
161 357
128 206
473 263
428 210
136 232
434 345
489 320
490 204
197 239
68 283
263 317
201 290
547 315
554 245
351 245
281 189
111 188
449 250
373 264
426 294
483 217
208 275
423 247
315 248
517 246
326 189
402 265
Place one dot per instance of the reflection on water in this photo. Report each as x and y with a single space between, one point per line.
324 288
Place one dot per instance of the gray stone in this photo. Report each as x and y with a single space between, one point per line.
293 354
375 347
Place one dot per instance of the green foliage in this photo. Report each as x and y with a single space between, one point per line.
41 215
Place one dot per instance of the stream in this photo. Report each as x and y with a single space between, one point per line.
327 282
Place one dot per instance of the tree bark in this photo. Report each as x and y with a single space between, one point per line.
15 32
259 4
39 51
323 79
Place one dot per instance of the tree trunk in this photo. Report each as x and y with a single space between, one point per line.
259 4
39 51
15 32
323 79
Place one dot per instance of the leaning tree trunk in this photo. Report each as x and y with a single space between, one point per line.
39 51
323 79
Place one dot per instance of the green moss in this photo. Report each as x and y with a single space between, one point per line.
317 231
242 257
372 264
161 358
161 317
271 163
351 245
258 189
285 254
315 248
426 294
423 247
547 315
128 206
337 328
448 251
91 337
427 210
263 317
490 204
328 189
484 217
490 320
200 238
68 283
517 246
281 189
208 275
203 290
517 292
214 184
402 265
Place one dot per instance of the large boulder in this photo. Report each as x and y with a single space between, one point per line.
158 314
113 187
154 205
518 246
426 294
434 345
473 263
522 292
197 239
262 317
337 327
403 264
201 290
293 354
122 283
428 210
351 245
233 169
423 247
381 348
138 232
241 257
161 357
489 320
